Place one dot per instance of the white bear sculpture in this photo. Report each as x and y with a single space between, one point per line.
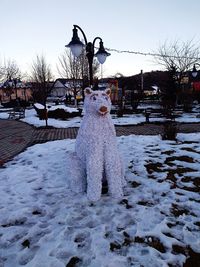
96 155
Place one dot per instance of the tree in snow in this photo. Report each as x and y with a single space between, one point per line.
41 75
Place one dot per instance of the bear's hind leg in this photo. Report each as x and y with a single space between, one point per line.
94 177
77 174
114 174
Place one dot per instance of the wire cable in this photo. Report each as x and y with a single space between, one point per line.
150 54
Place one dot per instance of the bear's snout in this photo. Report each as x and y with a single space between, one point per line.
103 109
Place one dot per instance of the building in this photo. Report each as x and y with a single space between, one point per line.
12 91
66 87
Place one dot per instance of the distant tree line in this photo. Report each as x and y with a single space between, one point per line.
175 58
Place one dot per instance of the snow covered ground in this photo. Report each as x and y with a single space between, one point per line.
31 118
157 223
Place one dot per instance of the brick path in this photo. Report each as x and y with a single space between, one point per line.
16 136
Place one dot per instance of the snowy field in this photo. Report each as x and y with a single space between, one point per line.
31 118
156 224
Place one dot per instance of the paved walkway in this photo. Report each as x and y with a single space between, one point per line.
16 136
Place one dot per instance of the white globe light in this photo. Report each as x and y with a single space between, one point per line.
76 49
101 58
10 83
194 74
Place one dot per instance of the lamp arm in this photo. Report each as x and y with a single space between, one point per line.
96 39
84 36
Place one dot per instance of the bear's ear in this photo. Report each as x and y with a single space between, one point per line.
108 91
87 91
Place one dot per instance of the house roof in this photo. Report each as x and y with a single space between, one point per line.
61 80
68 82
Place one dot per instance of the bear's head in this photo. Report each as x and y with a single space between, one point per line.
97 102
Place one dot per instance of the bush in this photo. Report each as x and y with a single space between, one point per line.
169 131
63 114
15 102
41 112
58 113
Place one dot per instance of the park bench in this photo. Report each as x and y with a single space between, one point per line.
17 113
151 113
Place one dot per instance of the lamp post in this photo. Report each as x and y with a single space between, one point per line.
142 82
24 86
10 86
76 47
195 83
195 71
15 82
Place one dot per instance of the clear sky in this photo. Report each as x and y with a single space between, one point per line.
31 27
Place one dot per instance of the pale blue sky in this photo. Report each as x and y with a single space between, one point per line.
30 27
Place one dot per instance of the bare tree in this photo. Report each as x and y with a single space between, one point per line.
75 69
181 55
1 72
11 70
71 67
10 73
41 76
177 58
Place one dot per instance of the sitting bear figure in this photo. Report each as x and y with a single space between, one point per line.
96 154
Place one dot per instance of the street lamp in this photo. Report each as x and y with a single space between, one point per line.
10 86
76 47
194 71
10 82
13 82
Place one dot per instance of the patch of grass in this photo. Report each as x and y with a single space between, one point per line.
191 189
171 175
145 203
193 259
127 239
167 152
194 199
152 242
134 172
119 229
189 149
179 193
134 184
196 182
186 179
176 249
180 158
197 223
26 243
151 176
36 212
154 167
73 262
15 223
190 142
114 246
180 170
178 211
169 235
173 224
125 203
